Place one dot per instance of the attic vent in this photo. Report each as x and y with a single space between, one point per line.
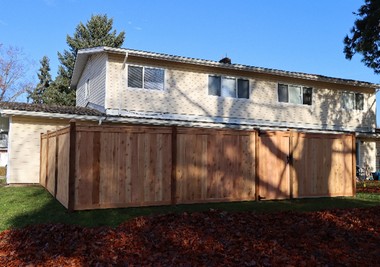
225 60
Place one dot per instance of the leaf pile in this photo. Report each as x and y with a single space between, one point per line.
371 187
213 238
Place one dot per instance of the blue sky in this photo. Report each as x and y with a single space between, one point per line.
293 35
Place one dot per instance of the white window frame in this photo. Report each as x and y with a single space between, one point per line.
236 86
301 94
354 101
143 77
87 90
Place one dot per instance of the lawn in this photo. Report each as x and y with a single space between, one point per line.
21 206
306 232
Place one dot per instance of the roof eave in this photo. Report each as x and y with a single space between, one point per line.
83 55
39 114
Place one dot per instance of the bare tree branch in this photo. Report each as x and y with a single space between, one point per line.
13 66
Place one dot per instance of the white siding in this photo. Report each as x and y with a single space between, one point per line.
367 152
24 147
95 74
186 93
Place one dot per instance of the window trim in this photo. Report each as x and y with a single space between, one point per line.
354 103
302 94
87 90
236 86
143 77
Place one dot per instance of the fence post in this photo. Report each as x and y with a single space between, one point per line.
353 153
47 160
41 159
256 154
72 172
173 190
56 166
291 165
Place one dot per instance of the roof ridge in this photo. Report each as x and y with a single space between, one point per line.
236 66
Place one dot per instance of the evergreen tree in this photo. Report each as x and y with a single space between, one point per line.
97 32
38 95
365 35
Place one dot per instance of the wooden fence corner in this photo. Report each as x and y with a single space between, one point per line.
72 171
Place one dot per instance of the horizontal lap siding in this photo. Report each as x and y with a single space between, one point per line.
25 147
186 88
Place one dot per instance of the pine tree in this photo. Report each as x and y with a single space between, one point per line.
365 35
97 32
38 95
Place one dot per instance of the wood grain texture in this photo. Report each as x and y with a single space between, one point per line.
90 167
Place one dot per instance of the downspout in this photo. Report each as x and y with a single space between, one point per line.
101 119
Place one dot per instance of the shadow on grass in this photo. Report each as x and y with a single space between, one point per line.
22 206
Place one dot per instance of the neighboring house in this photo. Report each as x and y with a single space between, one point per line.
129 86
161 88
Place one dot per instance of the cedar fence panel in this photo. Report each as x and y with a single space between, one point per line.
54 164
273 167
323 165
122 166
215 165
90 167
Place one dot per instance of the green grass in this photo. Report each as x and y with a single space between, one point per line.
21 206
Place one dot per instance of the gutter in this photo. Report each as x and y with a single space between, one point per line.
222 124
8 112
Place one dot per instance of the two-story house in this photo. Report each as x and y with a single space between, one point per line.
174 89
131 86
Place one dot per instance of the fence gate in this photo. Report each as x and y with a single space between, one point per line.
273 166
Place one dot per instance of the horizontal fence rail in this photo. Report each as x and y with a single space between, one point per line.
102 166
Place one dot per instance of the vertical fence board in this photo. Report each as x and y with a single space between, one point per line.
62 193
138 166
50 183
215 166
323 165
43 160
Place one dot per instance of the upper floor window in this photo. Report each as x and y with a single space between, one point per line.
87 89
228 87
146 77
295 94
353 100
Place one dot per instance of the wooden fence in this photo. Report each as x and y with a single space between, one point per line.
89 167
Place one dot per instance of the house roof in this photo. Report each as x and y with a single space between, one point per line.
83 54
9 108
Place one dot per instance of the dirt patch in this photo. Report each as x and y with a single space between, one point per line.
214 238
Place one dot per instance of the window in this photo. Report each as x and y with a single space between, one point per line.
359 101
295 94
87 89
147 78
3 139
228 87
353 101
